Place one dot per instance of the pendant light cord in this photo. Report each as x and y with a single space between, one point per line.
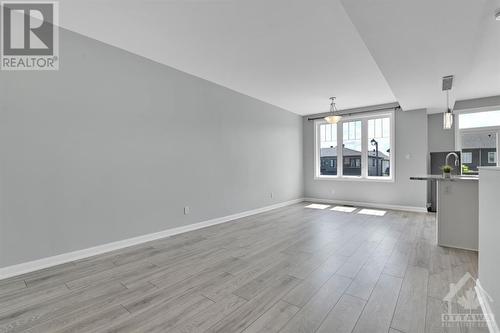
333 108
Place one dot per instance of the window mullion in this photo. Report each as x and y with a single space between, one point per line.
364 148
340 142
317 142
498 147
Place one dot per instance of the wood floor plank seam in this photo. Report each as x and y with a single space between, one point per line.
362 310
396 330
263 313
397 300
125 308
326 316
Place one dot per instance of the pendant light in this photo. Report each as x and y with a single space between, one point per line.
334 117
448 115
448 119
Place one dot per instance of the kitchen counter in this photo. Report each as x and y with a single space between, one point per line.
495 168
489 229
457 210
441 177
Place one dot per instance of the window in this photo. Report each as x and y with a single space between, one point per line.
366 140
478 149
328 149
492 157
351 148
477 138
479 119
379 147
466 157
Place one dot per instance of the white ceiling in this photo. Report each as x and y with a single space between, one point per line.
416 43
298 53
290 53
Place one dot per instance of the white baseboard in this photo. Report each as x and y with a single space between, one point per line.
458 247
369 205
485 300
35 265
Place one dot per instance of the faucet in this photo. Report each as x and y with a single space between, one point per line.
456 158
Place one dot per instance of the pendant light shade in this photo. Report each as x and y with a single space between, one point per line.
334 117
448 119
448 115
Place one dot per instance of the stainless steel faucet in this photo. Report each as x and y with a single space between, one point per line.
456 158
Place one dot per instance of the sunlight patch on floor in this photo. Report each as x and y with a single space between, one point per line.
318 206
344 209
374 212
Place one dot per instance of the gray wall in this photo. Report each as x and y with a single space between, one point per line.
411 159
439 139
478 103
113 146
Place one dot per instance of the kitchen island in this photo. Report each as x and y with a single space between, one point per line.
457 214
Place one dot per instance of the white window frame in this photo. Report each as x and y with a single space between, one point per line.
364 117
489 129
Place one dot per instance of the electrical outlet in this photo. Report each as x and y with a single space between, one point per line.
186 210
447 189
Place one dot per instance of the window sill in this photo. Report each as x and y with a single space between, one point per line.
356 179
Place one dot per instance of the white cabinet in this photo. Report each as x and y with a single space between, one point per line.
489 235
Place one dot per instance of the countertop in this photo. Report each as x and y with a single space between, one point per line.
489 168
441 177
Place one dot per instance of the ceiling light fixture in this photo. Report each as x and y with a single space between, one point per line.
448 115
334 117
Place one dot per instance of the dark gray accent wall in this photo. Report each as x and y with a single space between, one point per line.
114 146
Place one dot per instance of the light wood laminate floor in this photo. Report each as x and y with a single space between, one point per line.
294 269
